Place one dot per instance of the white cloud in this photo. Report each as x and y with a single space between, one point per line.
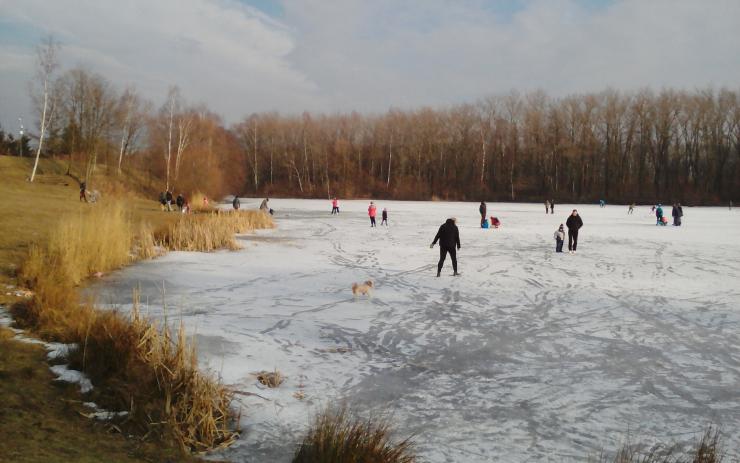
370 55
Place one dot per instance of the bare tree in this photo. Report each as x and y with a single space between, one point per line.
47 63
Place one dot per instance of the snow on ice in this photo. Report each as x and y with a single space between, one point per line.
528 355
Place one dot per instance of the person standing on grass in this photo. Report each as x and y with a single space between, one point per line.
180 201
574 223
168 197
559 238
372 212
552 206
83 190
236 204
449 239
482 209
384 216
334 206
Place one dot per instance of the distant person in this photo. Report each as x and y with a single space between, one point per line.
384 215
659 214
334 206
264 206
236 204
559 238
372 212
552 206
547 206
482 209
631 209
180 201
83 191
162 200
574 223
168 197
602 203
677 213
449 239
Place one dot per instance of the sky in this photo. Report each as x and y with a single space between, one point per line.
245 56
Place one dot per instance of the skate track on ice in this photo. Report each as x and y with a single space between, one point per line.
529 356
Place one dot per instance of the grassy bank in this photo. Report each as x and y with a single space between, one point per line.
136 365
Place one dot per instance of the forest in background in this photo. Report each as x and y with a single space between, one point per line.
644 146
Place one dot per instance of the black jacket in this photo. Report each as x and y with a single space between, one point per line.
677 211
482 209
574 222
168 195
448 235
180 200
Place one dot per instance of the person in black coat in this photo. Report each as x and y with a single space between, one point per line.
180 201
574 223
236 204
449 239
482 209
168 197
677 213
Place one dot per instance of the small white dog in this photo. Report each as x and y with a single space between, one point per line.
362 288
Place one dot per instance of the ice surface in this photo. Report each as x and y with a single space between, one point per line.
529 355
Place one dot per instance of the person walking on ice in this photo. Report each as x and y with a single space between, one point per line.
574 223
384 217
334 206
372 212
482 209
552 206
449 239
547 206
236 204
559 238
677 213
631 209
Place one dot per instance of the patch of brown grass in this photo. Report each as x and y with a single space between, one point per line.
708 449
270 379
338 436
214 230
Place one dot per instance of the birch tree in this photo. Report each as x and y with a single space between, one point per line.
47 63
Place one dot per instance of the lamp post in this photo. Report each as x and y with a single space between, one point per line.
20 139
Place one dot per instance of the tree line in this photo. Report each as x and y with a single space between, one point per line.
639 146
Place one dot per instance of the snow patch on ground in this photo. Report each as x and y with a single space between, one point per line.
54 351
529 355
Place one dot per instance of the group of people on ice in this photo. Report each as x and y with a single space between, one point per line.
483 209
676 213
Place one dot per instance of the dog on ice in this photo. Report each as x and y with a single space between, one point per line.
362 288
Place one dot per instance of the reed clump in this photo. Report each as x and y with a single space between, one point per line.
210 231
147 369
338 435
708 449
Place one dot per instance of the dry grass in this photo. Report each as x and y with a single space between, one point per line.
270 379
211 231
198 204
707 450
338 436
144 368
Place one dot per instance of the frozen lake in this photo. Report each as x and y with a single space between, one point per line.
529 355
